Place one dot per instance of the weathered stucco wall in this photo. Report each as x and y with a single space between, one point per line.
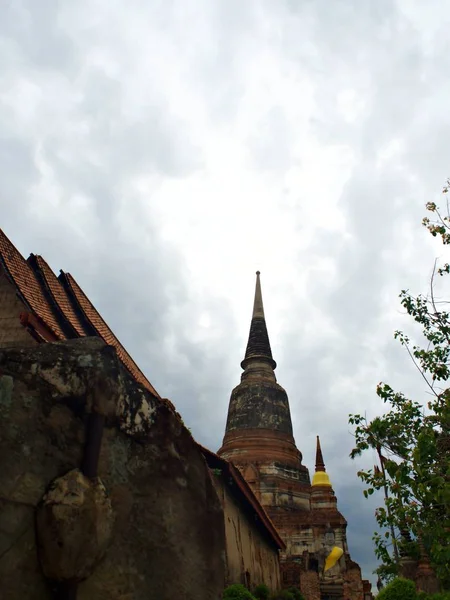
12 333
168 534
353 587
251 558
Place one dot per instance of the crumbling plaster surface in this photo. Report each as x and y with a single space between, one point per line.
168 537
247 549
273 407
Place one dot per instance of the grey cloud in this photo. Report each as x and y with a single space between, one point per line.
271 141
34 28
113 147
17 161
219 62
100 118
19 173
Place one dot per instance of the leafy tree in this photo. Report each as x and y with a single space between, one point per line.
283 595
296 593
399 589
237 591
412 439
261 592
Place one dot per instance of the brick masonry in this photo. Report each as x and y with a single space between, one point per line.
310 585
259 442
353 585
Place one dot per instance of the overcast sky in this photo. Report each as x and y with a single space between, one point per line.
162 151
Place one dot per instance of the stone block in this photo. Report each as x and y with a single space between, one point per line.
74 525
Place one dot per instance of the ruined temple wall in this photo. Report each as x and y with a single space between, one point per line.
251 558
299 541
310 585
12 333
302 515
168 537
304 530
278 489
353 588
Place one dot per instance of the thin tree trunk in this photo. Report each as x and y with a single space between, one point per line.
386 496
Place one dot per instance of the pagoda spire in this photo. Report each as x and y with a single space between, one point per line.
258 345
258 435
320 478
258 307
259 402
320 464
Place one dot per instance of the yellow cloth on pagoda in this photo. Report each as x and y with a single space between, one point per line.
333 557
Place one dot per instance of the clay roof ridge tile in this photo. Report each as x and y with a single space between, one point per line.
27 285
104 331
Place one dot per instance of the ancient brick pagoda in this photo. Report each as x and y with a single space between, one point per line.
259 441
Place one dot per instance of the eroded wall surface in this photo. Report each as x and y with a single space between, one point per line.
251 558
168 538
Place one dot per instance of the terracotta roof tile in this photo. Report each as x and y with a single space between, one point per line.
60 297
27 285
95 319
30 286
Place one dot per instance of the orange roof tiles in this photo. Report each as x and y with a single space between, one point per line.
59 295
56 302
27 285
95 319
